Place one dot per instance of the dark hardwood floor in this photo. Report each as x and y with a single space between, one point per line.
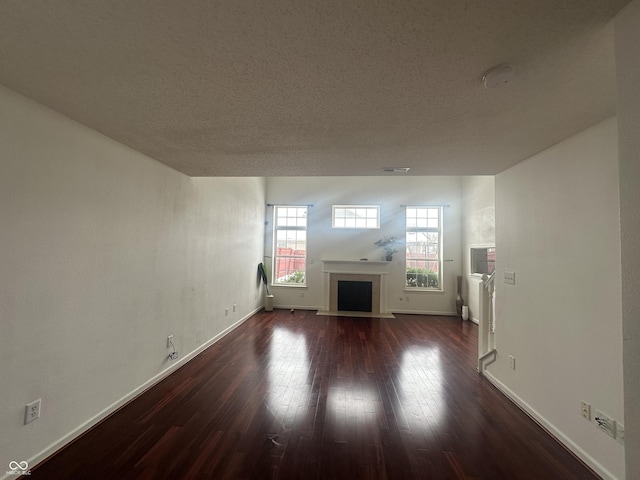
304 396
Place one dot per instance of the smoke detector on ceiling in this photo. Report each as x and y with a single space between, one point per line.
396 169
499 76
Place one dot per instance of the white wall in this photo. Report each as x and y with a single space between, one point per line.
478 230
327 243
627 26
557 228
105 252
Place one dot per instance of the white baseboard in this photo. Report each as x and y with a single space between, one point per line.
54 447
475 320
410 312
551 429
296 307
423 312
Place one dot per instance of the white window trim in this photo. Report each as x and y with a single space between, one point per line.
372 207
275 256
440 230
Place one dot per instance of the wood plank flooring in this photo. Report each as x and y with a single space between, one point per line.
288 396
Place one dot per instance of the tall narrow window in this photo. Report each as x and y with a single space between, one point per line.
290 245
424 247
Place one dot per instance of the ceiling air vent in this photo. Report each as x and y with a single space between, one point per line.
396 169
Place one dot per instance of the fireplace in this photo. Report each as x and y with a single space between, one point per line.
364 276
354 296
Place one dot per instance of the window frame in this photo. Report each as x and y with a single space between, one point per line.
426 229
294 228
355 207
477 258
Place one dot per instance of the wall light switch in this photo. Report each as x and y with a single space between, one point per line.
510 278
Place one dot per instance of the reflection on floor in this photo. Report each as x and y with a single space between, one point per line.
320 397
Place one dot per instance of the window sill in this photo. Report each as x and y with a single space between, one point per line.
288 285
423 290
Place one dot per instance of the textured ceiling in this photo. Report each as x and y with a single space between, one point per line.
329 87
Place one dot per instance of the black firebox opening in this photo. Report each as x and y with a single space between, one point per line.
354 296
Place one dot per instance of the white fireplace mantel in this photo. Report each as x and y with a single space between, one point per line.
355 266
375 271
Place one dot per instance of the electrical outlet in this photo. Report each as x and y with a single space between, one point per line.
620 433
585 410
234 307
169 341
32 411
226 312
605 423
512 362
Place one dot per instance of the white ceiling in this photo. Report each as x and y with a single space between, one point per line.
327 87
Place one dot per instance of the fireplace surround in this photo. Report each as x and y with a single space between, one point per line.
335 271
